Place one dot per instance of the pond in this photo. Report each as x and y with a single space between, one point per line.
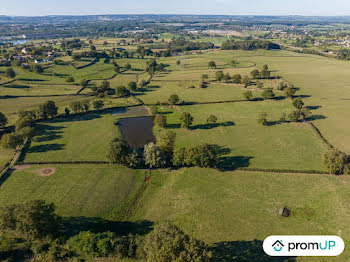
137 131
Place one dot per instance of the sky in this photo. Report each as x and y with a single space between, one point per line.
223 7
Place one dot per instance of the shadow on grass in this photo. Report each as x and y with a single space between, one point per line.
231 163
313 107
32 79
244 251
48 133
17 86
45 148
70 226
212 125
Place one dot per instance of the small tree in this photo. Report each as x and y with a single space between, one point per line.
289 91
160 120
69 79
132 86
262 119
219 75
118 152
336 162
294 116
186 120
3 120
122 91
212 119
237 79
153 155
11 140
248 95
178 62
204 77
260 85
97 104
166 142
153 110
10 73
226 77
212 64
246 81
298 103
174 99
255 74
268 93
128 66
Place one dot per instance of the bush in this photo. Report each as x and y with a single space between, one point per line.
212 119
154 156
248 95
153 110
69 79
336 162
168 243
174 99
262 119
186 120
122 91
118 152
160 120
268 94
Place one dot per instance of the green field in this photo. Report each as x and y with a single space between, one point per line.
214 206
78 138
77 190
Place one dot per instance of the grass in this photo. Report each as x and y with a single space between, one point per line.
278 146
77 138
240 206
325 82
77 190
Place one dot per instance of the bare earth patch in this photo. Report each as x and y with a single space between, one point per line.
21 167
46 171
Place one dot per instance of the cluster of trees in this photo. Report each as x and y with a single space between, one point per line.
300 113
249 45
34 229
343 54
25 125
153 67
182 45
84 106
102 90
235 79
263 74
163 152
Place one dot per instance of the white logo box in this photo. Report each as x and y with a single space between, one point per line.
303 245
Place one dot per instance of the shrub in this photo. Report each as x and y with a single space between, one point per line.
248 95
212 119
153 110
268 93
168 243
118 152
186 120
160 120
174 99
122 91
69 79
262 119
336 162
154 156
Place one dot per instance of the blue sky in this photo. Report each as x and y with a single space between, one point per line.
228 7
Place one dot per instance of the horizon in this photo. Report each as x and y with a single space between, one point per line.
184 7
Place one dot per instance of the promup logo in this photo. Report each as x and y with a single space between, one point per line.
277 246
303 245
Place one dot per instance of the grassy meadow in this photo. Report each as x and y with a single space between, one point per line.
77 138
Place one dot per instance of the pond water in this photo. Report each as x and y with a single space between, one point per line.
137 131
